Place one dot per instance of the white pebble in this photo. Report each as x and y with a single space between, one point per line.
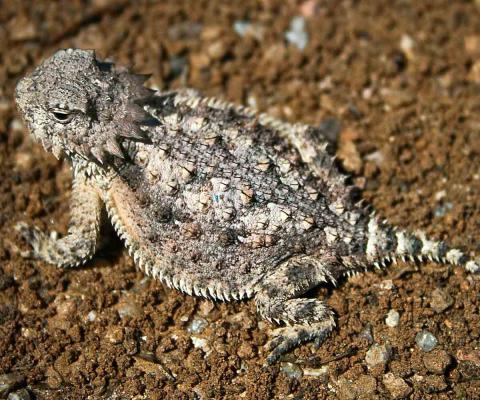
426 341
197 325
393 317
297 34
200 343
406 43
92 316
241 27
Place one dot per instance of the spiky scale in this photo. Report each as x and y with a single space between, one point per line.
114 148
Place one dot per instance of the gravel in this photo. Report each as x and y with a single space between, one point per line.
200 343
398 388
393 318
367 333
442 209
92 316
378 354
440 300
297 34
241 27
197 325
437 361
426 341
434 384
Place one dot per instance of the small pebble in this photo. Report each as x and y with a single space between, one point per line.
200 343
65 307
393 317
440 195
440 300
148 363
396 98
16 125
434 384
377 157
297 35
217 49
197 325
243 367
297 23
252 101
292 370
350 156
378 354
469 355
24 160
426 341
442 209
365 385
248 29
206 307
367 93
398 388
367 333
115 335
92 316
309 8
246 351
437 361
21 28
316 372
407 44
386 284
345 389
128 309
241 27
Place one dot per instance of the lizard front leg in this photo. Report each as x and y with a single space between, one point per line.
80 243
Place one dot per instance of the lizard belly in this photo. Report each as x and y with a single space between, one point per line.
161 251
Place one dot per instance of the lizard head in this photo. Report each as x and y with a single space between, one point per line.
81 108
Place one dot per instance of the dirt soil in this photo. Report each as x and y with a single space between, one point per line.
395 84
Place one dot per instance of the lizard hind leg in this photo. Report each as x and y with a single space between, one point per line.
305 319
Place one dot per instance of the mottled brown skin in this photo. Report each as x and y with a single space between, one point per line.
210 198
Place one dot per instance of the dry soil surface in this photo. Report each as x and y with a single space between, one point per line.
396 85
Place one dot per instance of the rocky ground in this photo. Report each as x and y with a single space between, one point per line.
395 84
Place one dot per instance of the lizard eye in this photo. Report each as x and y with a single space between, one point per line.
61 115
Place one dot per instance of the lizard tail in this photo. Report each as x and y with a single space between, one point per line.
386 243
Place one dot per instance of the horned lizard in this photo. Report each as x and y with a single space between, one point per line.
210 198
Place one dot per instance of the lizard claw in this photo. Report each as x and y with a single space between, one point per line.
286 338
34 237
283 340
